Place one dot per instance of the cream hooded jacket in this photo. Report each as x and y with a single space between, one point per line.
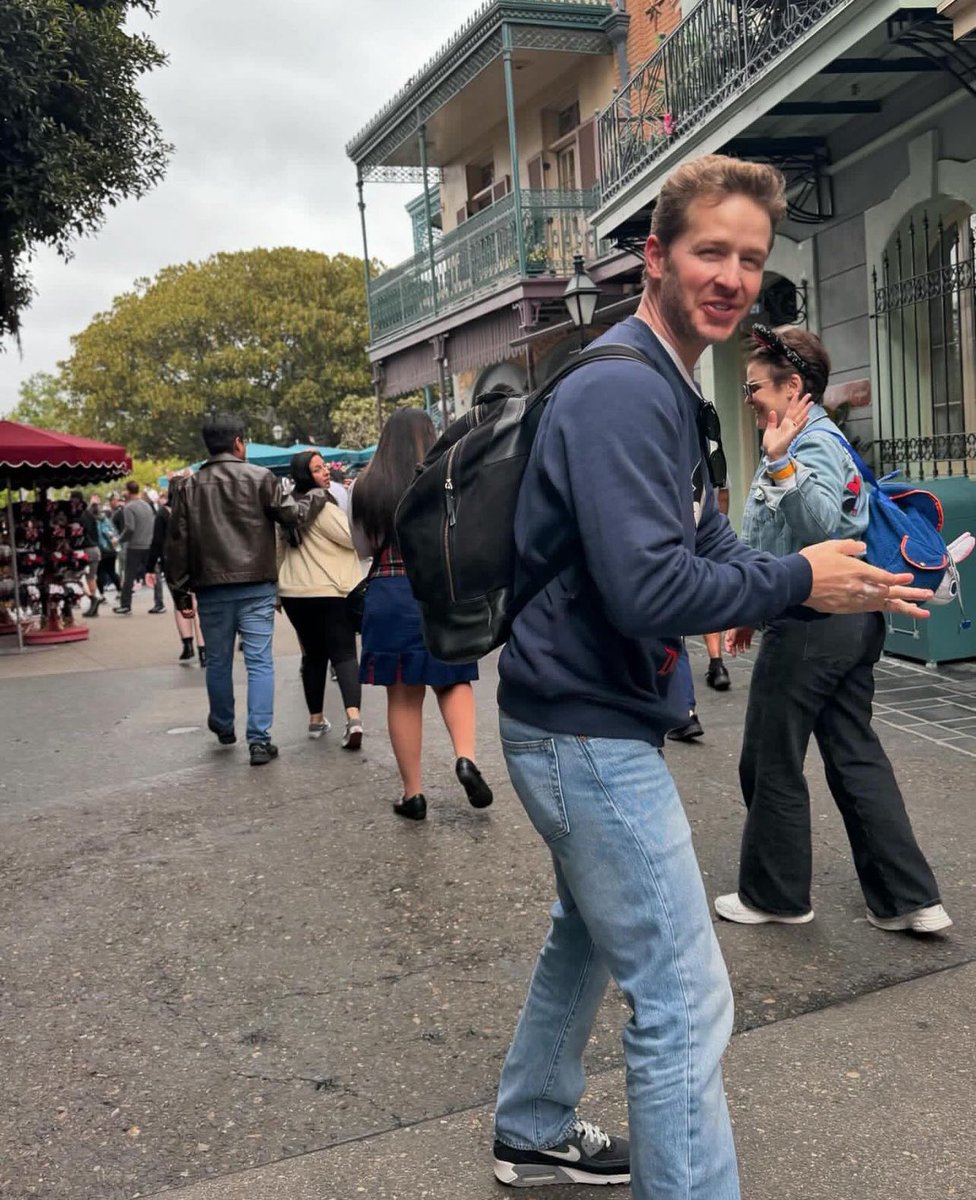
325 564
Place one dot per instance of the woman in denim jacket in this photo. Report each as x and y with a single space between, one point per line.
814 676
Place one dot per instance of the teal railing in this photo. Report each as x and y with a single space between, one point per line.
481 254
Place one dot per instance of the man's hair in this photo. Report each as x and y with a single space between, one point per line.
133 488
77 497
221 432
714 178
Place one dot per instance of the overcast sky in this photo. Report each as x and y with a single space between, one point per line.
259 100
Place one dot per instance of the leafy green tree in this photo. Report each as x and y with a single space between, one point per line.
75 135
44 404
354 418
278 336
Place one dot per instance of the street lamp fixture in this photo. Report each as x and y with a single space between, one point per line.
277 432
581 295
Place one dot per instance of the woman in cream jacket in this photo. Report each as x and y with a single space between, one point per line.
314 579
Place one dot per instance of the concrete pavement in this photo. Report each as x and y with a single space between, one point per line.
242 983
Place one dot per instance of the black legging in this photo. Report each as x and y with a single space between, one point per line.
326 636
107 573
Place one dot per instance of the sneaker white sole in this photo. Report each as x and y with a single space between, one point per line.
537 1175
315 734
741 914
912 922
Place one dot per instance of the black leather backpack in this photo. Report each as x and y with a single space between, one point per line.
455 524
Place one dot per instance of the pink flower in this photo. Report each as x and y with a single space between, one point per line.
668 124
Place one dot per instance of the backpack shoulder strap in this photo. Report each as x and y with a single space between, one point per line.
603 352
564 559
863 469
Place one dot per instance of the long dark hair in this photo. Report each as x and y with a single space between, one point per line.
407 436
298 469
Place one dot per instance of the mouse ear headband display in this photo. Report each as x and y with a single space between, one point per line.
763 336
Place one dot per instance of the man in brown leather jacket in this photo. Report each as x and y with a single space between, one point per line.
221 546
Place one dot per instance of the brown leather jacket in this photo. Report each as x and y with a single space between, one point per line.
222 526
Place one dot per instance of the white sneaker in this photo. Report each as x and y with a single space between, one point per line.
317 728
732 909
921 920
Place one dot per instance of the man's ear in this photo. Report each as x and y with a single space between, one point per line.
654 257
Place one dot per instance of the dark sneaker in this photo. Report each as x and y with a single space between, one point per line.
122 609
262 752
588 1155
157 608
226 737
688 732
717 677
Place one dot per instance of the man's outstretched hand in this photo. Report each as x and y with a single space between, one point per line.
844 583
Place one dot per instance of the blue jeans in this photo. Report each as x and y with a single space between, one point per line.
245 609
631 905
683 691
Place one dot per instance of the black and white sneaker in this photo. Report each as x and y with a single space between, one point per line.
588 1155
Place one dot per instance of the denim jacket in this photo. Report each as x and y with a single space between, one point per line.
826 497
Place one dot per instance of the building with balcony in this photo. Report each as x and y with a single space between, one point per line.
498 130
868 108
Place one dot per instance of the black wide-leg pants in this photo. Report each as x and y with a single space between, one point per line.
817 677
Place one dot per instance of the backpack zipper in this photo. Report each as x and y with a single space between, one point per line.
450 503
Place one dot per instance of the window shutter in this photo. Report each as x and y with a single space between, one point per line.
535 169
587 156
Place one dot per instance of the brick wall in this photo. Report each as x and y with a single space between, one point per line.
650 20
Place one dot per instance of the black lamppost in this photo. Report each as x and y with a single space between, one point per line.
581 295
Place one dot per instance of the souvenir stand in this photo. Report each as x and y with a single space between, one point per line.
42 559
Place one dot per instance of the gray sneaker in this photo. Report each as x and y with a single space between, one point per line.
352 739
317 728
588 1155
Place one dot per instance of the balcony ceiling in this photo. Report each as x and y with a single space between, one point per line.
883 89
460 129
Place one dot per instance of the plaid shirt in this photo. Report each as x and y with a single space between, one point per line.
389 563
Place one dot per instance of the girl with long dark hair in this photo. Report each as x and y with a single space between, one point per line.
314 579
394 655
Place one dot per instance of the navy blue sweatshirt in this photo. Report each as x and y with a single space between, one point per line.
617 467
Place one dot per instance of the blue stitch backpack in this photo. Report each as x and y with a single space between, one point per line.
904 530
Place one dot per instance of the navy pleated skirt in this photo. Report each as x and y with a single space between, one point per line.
393 645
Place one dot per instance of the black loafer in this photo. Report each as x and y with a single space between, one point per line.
717 677
478 792
688 732
414 808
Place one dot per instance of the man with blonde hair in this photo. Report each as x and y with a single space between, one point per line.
584 705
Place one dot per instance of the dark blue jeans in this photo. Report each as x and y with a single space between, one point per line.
245 610
817 677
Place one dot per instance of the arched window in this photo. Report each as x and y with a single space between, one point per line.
925 343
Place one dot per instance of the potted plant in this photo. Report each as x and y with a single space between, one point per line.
536 259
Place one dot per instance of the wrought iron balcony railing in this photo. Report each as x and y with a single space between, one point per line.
714 54
478 256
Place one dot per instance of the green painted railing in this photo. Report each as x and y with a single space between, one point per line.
480 255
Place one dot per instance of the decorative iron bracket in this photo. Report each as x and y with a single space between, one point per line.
932 37
802 160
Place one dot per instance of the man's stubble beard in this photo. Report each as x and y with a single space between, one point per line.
672 308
